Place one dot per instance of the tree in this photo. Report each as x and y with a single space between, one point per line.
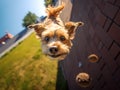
30 18
48 2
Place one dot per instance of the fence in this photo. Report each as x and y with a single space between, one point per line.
100 35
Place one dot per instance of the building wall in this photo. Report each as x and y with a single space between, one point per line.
100 35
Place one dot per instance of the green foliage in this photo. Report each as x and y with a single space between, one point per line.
48 2
30 18
37 55
26 68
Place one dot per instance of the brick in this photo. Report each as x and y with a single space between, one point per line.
100 45
110 10
103 66
96 39
114 50
107 75
109 79
112 86
94 49
104 37
117 18
101 63
104 88
119 85
107 24
91 31
99 17
93 70
117 3
96 87
101 82
114 32
109 60
110 1
118 60
91 16
116 75
100 3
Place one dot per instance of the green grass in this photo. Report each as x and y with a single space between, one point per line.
26 68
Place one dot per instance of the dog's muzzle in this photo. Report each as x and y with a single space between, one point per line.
54 53
53 50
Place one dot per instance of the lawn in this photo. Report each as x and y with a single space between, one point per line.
26 68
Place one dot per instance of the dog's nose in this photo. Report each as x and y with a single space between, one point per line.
53 50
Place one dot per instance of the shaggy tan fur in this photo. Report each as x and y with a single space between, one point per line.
56 35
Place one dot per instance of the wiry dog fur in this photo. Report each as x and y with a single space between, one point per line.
55 35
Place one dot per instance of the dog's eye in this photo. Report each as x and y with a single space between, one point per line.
62 38
47 38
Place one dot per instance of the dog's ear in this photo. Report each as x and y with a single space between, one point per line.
39 28
71 27
54 11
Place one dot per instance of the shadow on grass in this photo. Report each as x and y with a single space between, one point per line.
61 83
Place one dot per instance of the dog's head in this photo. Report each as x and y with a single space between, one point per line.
55 35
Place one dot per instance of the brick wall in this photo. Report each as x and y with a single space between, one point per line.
99 35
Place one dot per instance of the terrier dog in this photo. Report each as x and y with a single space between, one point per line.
56 36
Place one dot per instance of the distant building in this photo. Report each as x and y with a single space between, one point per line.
5 38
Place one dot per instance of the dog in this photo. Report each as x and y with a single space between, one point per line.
56 36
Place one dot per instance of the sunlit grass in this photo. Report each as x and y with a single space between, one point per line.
26 68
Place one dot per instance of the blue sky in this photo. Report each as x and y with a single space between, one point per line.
12 13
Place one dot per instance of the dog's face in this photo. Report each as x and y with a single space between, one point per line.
56 42
56 39
55 35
